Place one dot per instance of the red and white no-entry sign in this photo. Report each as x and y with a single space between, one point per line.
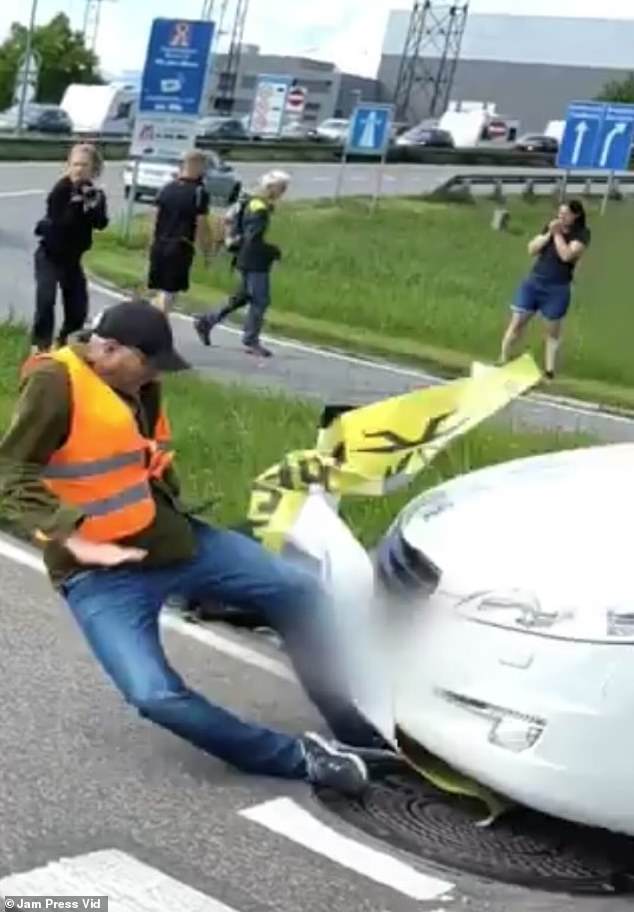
296 101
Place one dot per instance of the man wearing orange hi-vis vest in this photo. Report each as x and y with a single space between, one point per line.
87 469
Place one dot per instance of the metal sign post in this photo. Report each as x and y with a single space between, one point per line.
129 211
27 66
340 175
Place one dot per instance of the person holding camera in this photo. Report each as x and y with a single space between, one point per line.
75 208
548 289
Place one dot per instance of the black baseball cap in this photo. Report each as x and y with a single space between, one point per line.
140 325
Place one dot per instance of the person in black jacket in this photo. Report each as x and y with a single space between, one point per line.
254 260
75 207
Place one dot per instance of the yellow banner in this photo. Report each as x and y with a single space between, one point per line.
380 448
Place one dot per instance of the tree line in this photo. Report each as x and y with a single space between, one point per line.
63 55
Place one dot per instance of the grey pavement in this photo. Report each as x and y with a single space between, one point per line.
79 772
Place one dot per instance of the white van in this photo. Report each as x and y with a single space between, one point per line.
107 110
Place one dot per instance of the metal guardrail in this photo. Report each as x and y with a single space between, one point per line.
497 180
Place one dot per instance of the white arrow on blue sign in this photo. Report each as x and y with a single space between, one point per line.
597 136
580 141
615 140
370 129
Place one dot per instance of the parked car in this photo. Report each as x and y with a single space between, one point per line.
335 129
228 128
535 142
222 182
426 136
298 131
38 118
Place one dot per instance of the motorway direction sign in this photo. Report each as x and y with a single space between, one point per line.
615 139
370 129
269 106
176 67
597 136
578 147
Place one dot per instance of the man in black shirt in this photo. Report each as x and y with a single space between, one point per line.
548 288
182 210
74 209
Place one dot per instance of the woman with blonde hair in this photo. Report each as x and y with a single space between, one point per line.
75 207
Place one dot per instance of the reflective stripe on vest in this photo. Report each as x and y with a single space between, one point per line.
106 465
94 467
126 498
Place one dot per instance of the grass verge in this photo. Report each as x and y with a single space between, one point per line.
426 283
223 442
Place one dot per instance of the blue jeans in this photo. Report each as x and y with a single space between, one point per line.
258 289
118 612
537 296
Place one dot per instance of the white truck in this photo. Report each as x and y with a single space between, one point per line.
103 110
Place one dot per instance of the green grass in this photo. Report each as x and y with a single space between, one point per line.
428 283
223 442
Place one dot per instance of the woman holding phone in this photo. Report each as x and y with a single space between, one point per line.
548 288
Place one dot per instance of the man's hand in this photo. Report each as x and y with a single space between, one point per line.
102 555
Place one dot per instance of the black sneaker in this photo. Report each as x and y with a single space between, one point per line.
550 375
258 350
203 326
332 768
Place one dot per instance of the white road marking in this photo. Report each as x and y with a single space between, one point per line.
227 646
592 409
130 885
285 817
11 194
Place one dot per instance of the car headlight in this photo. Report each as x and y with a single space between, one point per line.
403 570
524 612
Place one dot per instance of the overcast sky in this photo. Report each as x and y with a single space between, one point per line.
349 32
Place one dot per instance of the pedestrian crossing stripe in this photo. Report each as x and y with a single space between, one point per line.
129 884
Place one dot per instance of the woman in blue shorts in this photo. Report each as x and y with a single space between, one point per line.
548 288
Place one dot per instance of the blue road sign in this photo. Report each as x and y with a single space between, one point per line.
176 67
580 141
370 127
615 140
597 136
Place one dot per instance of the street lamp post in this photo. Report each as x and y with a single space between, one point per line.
27 65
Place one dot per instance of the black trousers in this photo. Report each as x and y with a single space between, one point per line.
71 280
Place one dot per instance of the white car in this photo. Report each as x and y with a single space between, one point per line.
494 627
335 130
221 180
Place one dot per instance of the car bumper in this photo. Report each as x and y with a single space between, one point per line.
463 677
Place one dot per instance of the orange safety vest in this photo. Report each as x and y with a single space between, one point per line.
106 465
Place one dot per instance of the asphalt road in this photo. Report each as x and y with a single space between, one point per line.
81 774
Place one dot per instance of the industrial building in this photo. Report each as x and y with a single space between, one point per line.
330 93
530 67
